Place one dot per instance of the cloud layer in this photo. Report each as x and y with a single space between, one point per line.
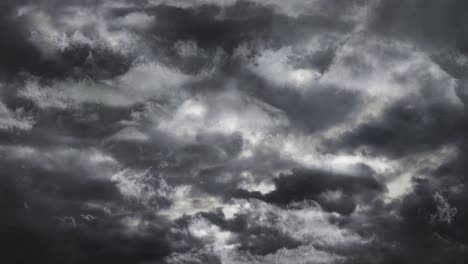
256 131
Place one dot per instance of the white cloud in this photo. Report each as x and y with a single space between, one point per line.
276 67
363 63
184 202
17 119
444 211
188 49
81 25
303 254
131 134
225 113
210 233
305 222
152 79
248 183
400 181
141 83
142 187
90 162
45 35
136 20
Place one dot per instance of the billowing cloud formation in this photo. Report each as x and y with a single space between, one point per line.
240 131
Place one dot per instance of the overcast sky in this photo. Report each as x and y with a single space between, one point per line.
233 131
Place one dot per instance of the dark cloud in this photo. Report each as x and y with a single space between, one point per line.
20 54
254 239
408 126
186 131
429 22
307 110
214 27
333 191
405 236
45 222
432 25
17 52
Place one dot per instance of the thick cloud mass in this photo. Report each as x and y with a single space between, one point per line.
235 131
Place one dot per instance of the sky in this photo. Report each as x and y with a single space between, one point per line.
233 131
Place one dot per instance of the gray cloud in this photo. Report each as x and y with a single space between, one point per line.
147 131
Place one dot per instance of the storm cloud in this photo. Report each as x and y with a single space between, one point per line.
237 131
